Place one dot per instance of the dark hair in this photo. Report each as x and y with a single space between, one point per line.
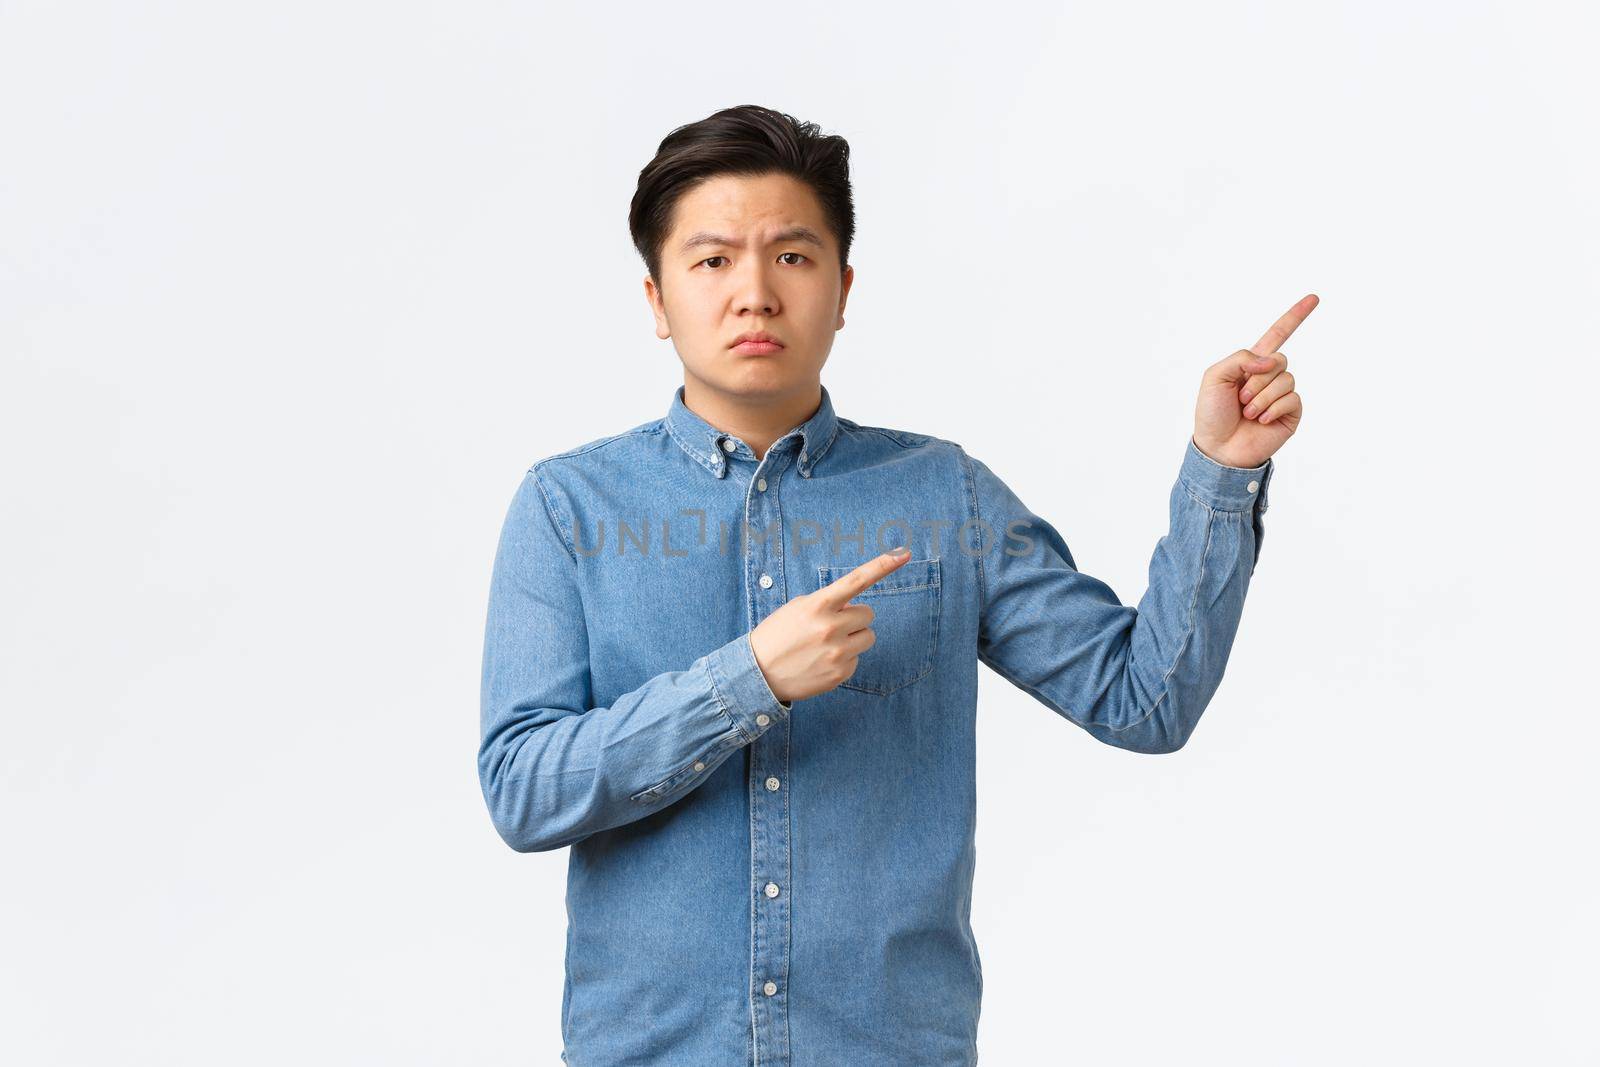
747 140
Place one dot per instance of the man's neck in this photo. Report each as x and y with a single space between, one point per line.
758 422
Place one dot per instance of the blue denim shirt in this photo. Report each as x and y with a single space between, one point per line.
759 883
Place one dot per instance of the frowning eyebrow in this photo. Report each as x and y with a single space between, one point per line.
794 233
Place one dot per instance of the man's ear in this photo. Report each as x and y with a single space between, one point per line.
844 291
658 308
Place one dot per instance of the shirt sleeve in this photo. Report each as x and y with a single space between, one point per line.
1134 678
554 767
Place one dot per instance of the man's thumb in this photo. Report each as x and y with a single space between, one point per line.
1239 366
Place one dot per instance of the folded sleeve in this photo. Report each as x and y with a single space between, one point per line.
1136 678
554 767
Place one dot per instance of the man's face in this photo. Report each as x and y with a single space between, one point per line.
747 254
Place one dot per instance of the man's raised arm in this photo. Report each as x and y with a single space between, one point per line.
1140 678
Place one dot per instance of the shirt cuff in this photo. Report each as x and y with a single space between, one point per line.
1222 487
743 689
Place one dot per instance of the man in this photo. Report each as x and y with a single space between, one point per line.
754 725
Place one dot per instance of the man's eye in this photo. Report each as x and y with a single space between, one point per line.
797 255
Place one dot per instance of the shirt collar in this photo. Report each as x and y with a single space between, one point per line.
705 443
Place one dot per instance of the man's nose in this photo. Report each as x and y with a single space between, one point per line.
756 293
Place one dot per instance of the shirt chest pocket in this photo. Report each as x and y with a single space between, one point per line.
905 622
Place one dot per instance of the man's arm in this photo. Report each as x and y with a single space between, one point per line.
1134 678
554 768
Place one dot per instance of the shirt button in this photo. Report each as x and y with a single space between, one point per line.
729 444
762 720
772 785
699 766
761 484
1254 485
770 988
772 889
766 581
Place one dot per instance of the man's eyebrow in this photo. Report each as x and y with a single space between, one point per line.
794 233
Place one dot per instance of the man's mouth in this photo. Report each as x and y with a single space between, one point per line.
756 343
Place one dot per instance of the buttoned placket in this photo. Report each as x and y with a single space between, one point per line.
770 852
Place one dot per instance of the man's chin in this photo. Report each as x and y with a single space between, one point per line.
761 376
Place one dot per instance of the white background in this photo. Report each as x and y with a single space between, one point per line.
291 294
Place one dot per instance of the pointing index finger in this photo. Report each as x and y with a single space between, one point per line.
1279 331
839 591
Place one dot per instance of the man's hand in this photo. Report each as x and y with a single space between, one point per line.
811 644
1248 406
